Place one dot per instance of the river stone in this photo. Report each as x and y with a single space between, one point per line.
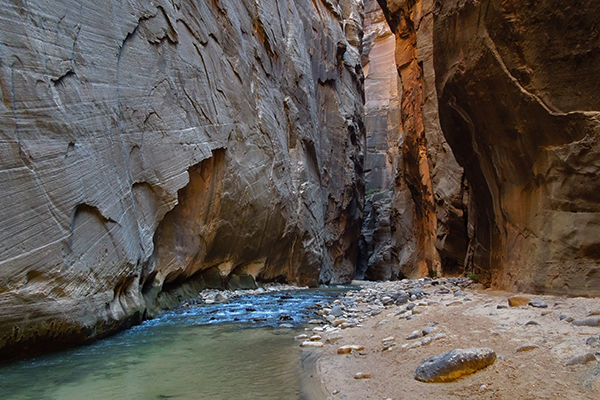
593 340
339 322
594 321
349 348
581 359
538 304
336 311
309 343
517 301
362 375
455 364
527 347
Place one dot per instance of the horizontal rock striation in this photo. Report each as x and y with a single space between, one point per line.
146 145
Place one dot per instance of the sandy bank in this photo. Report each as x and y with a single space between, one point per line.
533 344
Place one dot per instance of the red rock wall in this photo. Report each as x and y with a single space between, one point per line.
519 99
428 211
514 86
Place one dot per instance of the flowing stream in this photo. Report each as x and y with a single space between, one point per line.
211 352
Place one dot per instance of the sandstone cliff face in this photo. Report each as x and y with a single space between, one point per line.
515 86
426 218
519 100
147 144
379 252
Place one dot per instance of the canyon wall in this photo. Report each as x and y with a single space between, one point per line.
519 99
513 88
420 205
147 145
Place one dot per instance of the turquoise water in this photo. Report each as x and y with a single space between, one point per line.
226 351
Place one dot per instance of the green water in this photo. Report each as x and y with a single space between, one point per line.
193 353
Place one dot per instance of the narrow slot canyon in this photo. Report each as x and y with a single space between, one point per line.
157 157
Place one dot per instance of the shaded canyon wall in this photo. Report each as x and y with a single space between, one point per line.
519 95
415 212
146 144
512 86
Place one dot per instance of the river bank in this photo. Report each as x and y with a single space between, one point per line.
544 348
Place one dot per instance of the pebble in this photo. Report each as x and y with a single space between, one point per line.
517 301
566 318
501 306
308 343
410 306
349 348
532 322
426 341
414 335
301 337
286 326
339 322
538 304
593 321
593 340
528 347
315 338
581 359
336 311
362 375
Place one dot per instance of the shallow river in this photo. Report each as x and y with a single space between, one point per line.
227 351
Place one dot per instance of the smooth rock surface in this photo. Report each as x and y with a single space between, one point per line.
454 365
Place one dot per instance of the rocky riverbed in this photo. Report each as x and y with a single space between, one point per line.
371 342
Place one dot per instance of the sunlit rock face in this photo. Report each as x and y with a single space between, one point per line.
415 219
150 143
519 101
